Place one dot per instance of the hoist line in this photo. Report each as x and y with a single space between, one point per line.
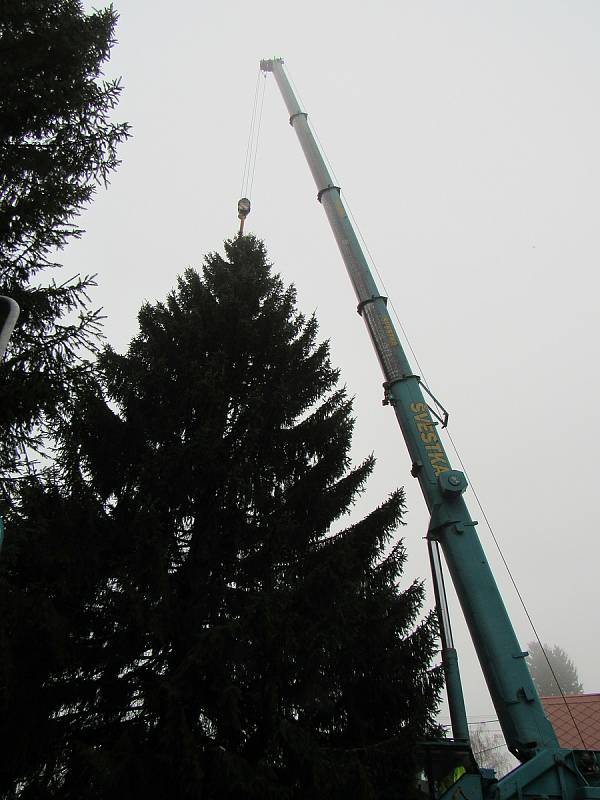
249 144
516 588
260 113
422 375
315 133
489 749
363 241
425 383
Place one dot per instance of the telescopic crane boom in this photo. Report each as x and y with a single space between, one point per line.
547 770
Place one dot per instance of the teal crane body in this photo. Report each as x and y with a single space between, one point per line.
546 770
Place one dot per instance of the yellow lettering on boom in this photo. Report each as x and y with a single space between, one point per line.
428 435
390 332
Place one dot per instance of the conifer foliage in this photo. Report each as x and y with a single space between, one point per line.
57 143
552 670
228 636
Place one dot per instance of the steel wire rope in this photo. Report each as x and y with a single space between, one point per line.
249 145
392 306
454 447
364 243
488 749
314 130
516 588
493 731
446 721
260 113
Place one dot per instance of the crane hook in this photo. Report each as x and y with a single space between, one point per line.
243 211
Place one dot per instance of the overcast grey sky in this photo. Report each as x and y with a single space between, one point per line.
465 138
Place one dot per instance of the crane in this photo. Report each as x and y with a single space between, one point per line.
546 769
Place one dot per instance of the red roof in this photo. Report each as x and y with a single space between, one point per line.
576 720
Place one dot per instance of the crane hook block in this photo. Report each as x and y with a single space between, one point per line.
243 211
243 208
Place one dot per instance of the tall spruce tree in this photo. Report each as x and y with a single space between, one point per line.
57 144
223 639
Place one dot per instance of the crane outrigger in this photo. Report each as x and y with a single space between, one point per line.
546 770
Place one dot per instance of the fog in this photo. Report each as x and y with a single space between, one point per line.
465 138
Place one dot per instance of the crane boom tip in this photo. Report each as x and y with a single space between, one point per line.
266 64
